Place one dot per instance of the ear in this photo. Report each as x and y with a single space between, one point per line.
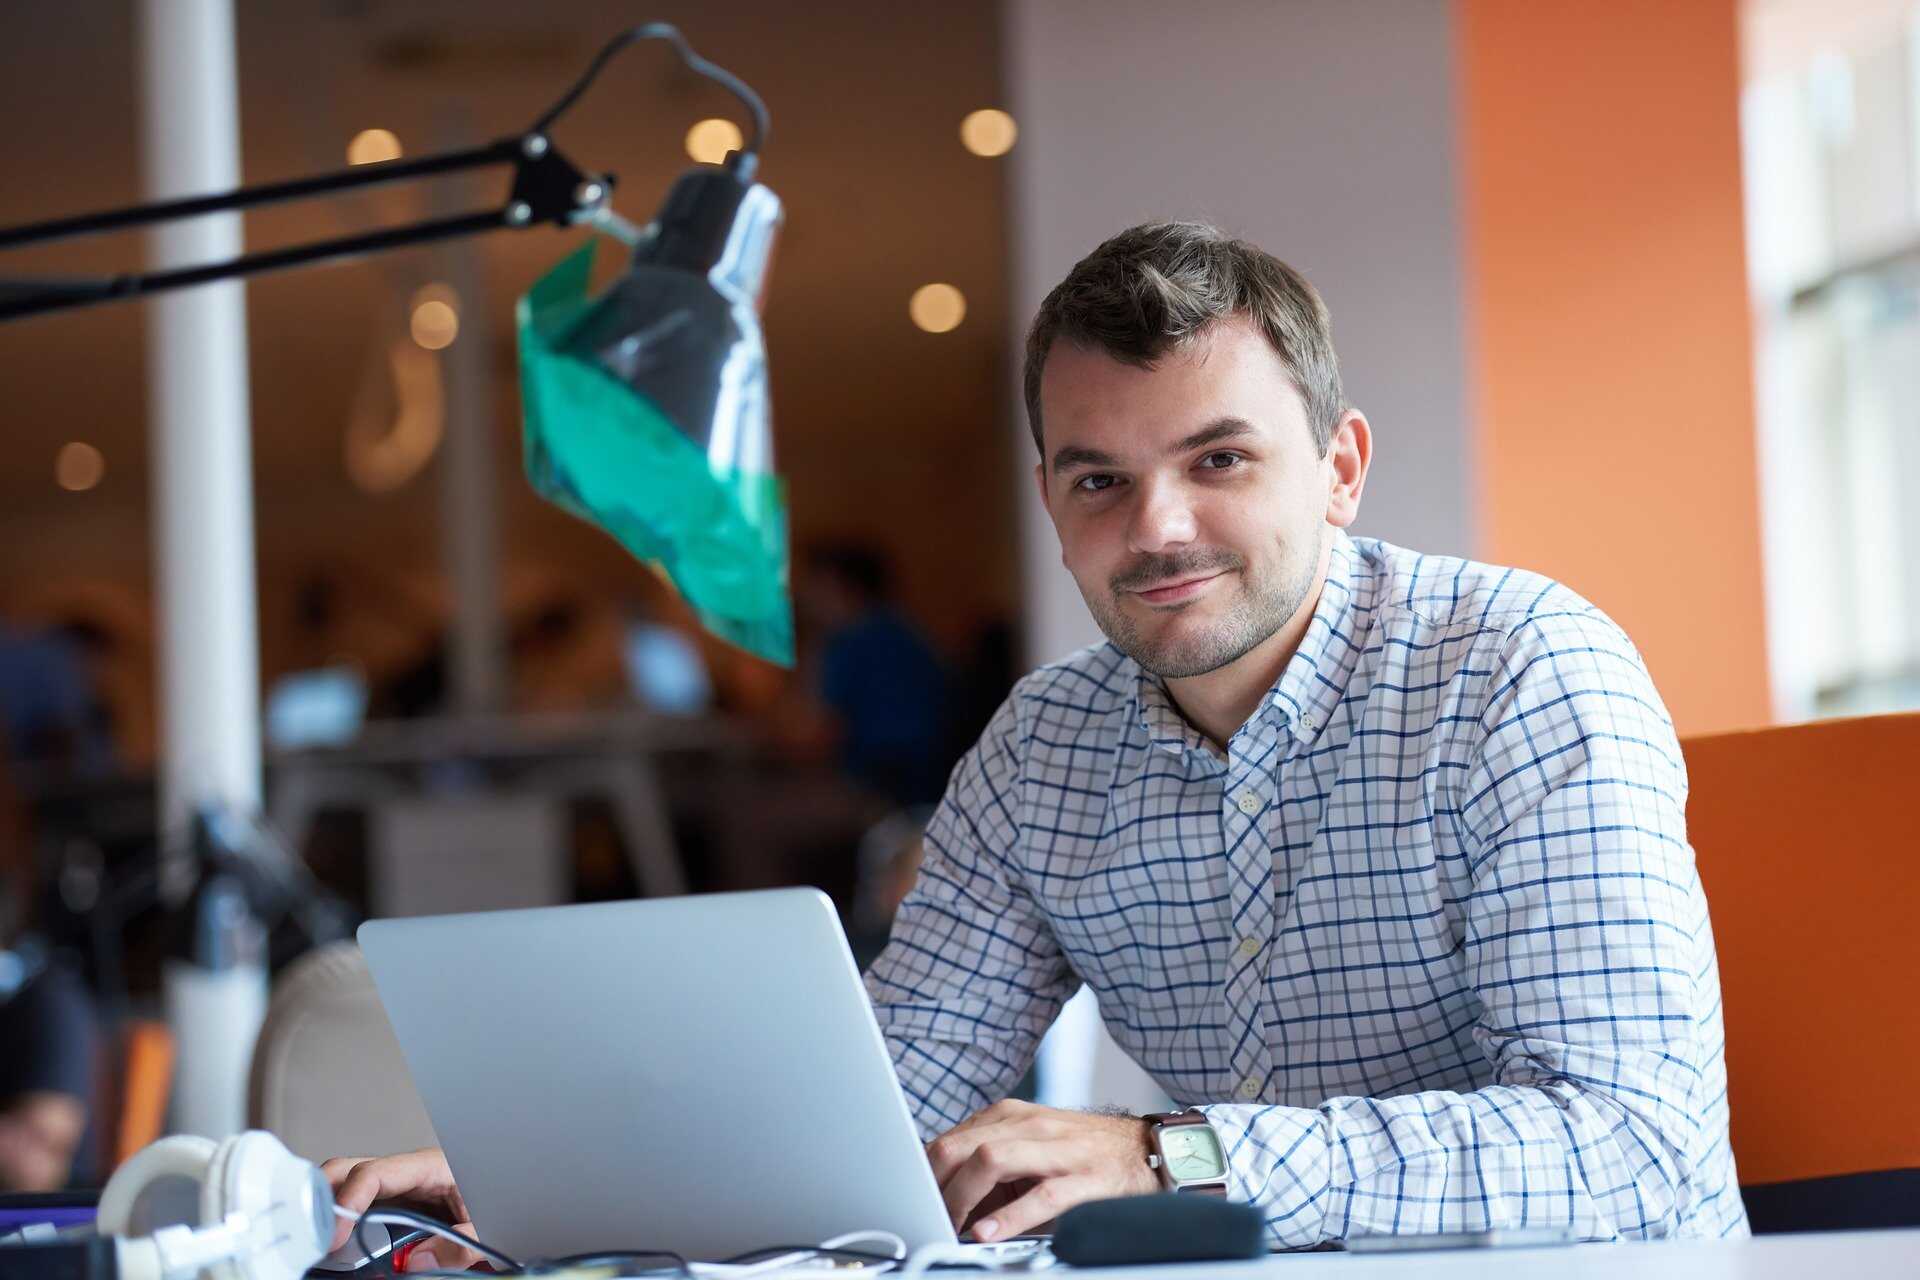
1349 453
1040 482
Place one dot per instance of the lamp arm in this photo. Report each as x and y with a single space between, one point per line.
547 188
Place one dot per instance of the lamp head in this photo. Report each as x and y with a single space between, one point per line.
647 406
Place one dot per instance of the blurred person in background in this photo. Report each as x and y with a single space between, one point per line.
49 1039
49 712
885 692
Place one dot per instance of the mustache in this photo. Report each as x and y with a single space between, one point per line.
1152 570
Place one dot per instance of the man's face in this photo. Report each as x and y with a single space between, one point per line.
1191 501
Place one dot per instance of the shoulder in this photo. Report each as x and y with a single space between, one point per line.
1075 695
1509 613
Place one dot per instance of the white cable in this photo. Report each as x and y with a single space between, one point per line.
895 1245
741 1270
796 1261
929 1255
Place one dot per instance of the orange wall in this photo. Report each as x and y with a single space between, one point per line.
1608 326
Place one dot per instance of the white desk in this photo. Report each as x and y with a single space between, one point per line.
1853 1255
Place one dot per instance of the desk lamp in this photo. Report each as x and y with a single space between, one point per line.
646 406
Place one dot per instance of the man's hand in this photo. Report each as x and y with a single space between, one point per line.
1025 1165
423 1181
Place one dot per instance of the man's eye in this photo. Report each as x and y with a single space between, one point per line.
1220 461
1093 483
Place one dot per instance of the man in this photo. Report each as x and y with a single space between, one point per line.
1376 859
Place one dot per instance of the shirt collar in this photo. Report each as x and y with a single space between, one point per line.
1308 691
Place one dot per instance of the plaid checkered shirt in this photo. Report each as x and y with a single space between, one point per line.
1425 943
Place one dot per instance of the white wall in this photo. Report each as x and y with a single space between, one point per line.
1322 130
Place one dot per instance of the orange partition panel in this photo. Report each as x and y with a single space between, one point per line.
1806 845
146 1082
1609 326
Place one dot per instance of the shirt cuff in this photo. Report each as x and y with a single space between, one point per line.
1280 1160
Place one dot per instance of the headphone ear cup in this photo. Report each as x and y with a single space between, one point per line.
253 1174
157 1187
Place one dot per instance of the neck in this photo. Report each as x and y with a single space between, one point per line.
1223 699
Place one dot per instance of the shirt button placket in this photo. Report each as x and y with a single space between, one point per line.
1251 881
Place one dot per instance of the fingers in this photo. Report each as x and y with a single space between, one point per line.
1045 1202
437 1254
416 1177
1003 1119
993 1164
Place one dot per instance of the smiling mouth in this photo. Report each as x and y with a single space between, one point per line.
1174 592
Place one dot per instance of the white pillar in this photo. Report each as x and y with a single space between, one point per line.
469 485
202 521
198 409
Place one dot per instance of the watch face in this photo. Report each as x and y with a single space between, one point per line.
1192 1153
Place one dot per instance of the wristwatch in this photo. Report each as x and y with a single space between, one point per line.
1186 1153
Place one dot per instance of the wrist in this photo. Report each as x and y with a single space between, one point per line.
1143 1178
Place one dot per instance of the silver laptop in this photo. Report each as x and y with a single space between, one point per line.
700 1074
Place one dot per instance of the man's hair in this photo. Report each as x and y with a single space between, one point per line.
1157 287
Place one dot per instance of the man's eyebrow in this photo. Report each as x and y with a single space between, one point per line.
1213 433
1074 455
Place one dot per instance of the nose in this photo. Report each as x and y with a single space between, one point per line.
1162 519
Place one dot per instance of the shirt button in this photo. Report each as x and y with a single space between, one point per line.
1249 803
1249 1089
1248 948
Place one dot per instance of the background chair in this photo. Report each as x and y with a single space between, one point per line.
328 1078
1806 843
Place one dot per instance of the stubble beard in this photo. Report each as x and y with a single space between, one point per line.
1261 608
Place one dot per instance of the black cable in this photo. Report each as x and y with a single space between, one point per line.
430 1225
818 1251
678 1265
670 33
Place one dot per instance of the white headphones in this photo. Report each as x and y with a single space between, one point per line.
243 1209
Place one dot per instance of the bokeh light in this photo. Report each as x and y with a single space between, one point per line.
709 141
79 467
371 146
988 132
435 317
937 308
